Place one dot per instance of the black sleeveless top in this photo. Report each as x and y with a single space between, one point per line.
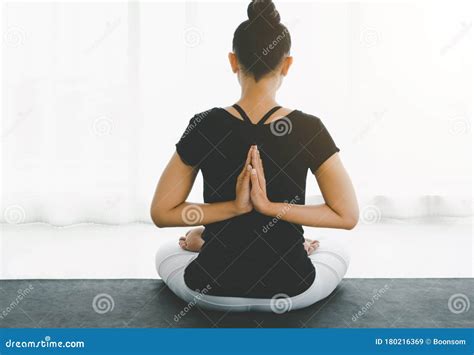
253 255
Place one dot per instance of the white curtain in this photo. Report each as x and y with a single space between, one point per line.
96 94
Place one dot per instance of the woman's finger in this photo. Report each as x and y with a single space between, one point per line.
254 158
254 178
249 155
256 165
246 176
260 170
260 161
247 162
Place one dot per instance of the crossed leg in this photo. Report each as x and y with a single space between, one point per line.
330 261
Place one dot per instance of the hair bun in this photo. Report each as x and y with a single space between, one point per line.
263 9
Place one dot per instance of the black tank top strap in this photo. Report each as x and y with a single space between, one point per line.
268 115
242 113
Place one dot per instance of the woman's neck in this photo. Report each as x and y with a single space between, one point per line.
257 97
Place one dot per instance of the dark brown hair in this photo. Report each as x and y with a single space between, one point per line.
261 42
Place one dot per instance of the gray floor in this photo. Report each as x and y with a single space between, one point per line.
149 303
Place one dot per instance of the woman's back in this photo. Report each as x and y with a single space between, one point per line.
254 171
254 255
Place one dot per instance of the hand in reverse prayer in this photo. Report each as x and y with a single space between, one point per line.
242 201
258 192
251 192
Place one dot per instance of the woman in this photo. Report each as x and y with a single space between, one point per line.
254 158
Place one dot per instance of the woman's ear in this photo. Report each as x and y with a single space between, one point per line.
287 62
234 63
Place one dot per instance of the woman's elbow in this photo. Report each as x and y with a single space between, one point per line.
158 218
351 220
350 223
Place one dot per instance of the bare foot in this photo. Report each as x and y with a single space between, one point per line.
192 241
310 245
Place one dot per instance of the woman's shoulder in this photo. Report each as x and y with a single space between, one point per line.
205 115
305 121
203 119
306 117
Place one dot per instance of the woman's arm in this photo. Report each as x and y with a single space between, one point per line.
340 209
170 209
